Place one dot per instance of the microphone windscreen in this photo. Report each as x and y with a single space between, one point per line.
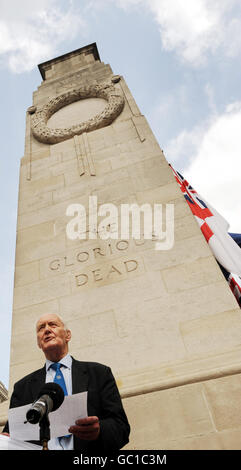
55 392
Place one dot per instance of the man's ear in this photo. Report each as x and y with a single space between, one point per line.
68 335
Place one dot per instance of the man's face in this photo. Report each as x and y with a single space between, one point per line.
52 337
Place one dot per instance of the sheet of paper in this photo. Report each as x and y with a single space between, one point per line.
72 408
6 443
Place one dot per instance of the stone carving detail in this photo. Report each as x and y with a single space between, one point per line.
47 135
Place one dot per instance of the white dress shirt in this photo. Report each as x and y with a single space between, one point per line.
64 443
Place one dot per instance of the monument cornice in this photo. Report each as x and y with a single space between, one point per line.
89 49
179 374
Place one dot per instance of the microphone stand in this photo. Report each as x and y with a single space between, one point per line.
44 426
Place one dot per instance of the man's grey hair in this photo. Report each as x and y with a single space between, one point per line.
57 315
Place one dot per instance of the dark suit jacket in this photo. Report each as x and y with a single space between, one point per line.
103 401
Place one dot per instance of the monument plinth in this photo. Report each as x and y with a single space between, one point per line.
164 320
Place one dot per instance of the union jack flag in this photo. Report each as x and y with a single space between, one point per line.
224 246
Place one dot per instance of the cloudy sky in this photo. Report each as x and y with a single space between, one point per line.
181 60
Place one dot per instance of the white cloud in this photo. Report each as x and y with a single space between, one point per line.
215 168
183 147
232 37
196 28
30 33
210 93
193 29
190 28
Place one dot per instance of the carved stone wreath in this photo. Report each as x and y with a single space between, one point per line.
40 117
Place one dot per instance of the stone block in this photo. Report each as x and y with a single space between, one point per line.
149 174
92 330
76 190
41 291
183 251
38 148
29 349
37 242
102 138
43 215
123 293
209 441
62 147
38 186
223 397
24 319
33 203
230 439
113 194
219 332
42 152
172 413
189 275
131 104
64 167
190 304
39 169
148 336
26 273
160 195
124 130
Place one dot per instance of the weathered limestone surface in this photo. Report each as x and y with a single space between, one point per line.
198 416
165 321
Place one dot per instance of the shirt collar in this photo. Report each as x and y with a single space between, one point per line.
66 361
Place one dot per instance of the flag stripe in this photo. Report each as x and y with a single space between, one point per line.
225 247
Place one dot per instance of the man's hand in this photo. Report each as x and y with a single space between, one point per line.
5 434
86 428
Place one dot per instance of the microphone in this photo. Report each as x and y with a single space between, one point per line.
50 397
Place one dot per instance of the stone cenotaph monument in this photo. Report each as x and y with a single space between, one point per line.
161 316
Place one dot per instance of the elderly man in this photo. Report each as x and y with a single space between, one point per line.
106 428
